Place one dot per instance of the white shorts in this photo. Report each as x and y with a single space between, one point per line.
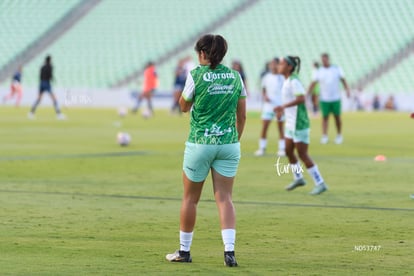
268 114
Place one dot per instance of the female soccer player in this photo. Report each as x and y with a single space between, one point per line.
297 125
238 66
272 95
149 86
15 88
179 82
215 95
46 77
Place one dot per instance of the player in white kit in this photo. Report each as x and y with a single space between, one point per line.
272 96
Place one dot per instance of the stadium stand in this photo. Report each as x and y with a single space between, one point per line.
116 37
397 81
348 30
24 21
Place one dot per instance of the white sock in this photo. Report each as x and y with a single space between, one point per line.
316 175
297 171
185 240
282 144
262 143
229 238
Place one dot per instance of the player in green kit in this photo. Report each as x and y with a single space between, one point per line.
297 127
216 97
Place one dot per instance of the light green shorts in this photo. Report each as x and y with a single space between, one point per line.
199 159
298 136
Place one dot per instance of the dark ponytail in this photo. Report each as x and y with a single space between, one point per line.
214 47
293 61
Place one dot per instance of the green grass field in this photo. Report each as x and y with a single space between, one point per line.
75 203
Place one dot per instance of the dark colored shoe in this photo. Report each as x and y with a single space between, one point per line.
179 256
229 259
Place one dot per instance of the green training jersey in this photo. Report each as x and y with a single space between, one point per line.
215 94
296 116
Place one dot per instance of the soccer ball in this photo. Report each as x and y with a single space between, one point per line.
122 111
123 139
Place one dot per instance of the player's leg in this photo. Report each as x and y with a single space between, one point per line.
149 102
188 213
11 93
263 138
55 103
19 95
223 172
196 166
302 145
138 103
280 128
294 164
289 149
302 150
325 108
35 104
223 189
267 116
191 196
338 124
315 103
60 115
336 110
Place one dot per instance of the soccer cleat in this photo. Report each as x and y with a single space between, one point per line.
31 116
260 152
296 183
230 259
281 153
61 116
179 257
339 140
319 189
324 140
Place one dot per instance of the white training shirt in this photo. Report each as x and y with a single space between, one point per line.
295 116
273 83
329 81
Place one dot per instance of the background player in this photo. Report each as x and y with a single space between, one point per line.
46 77
329 77
297 127
15 88
179 82
238 66
315 91
272 96
148 88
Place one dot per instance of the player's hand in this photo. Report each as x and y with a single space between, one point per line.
279 111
